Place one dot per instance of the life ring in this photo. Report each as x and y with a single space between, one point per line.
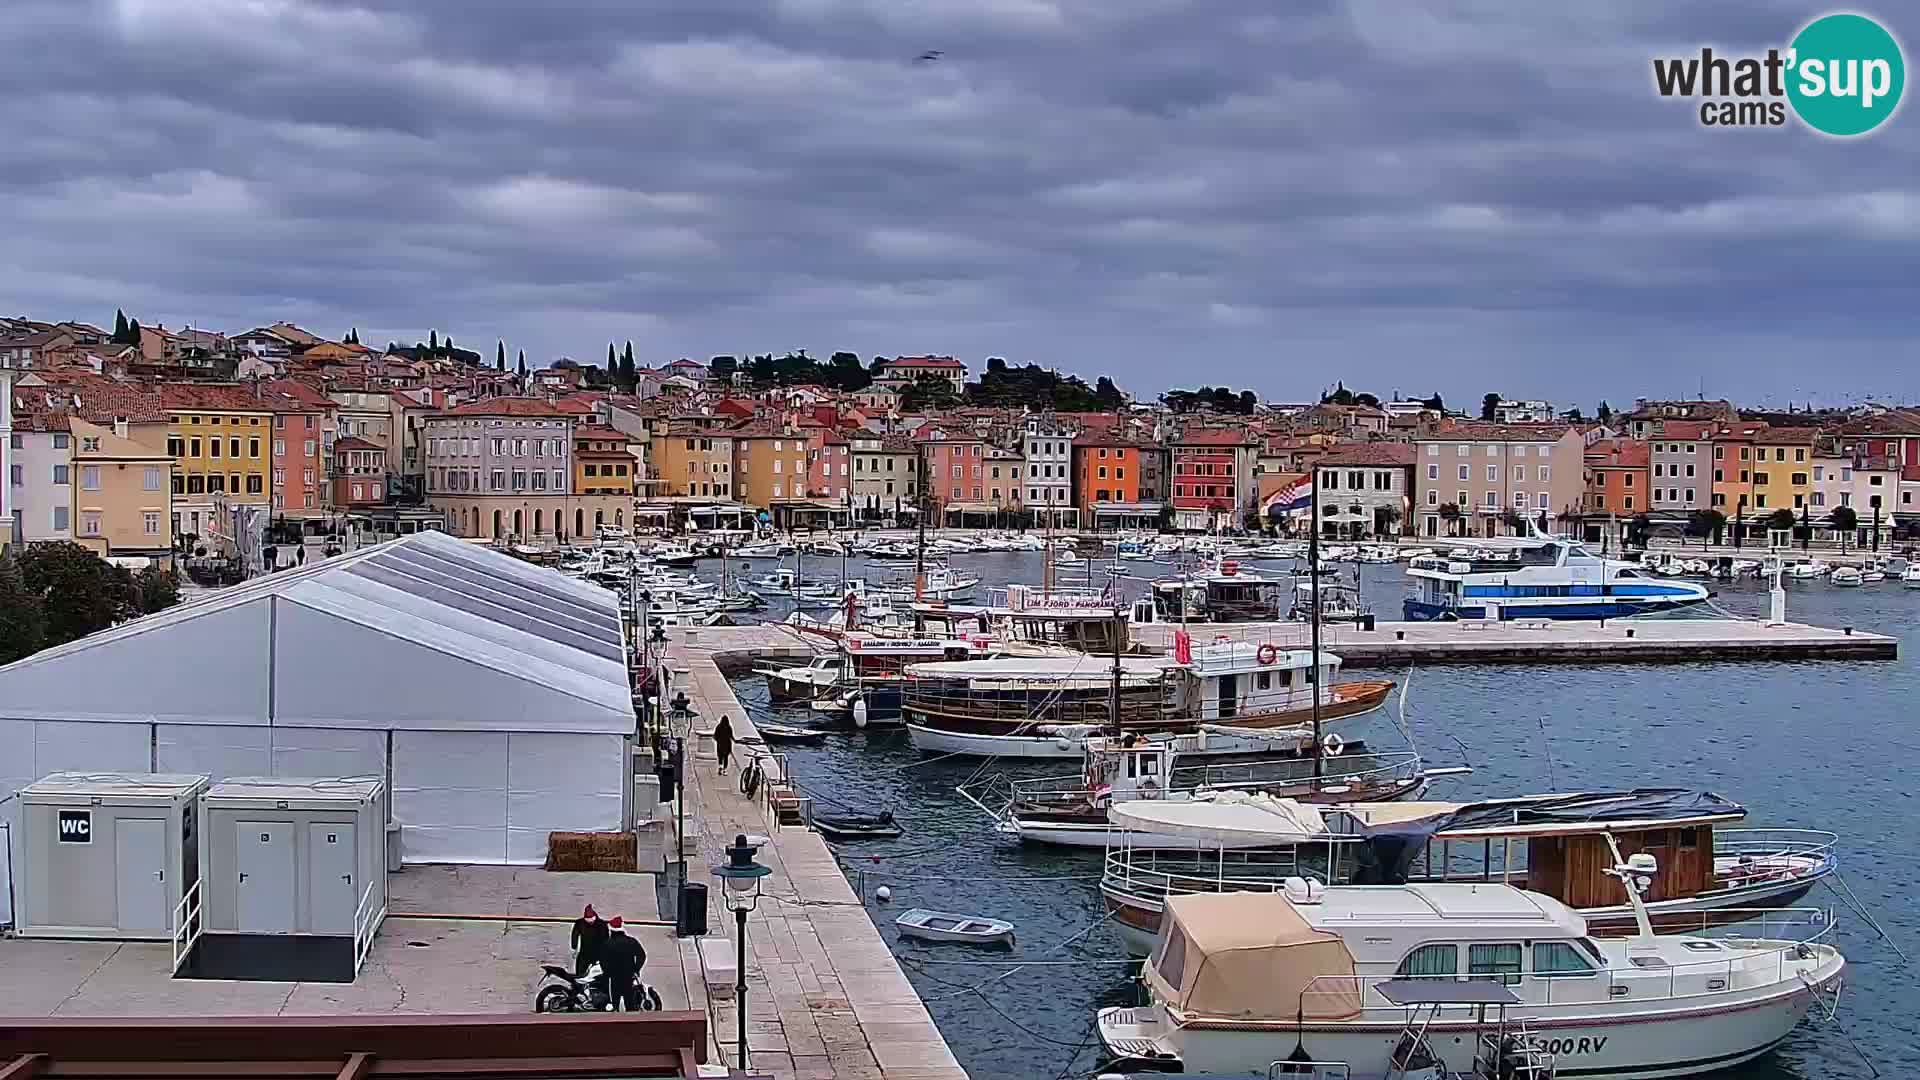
1268 653
1332 745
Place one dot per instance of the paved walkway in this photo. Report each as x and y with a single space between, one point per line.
825 997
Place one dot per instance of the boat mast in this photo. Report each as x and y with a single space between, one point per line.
1119 631
920 553
1313 579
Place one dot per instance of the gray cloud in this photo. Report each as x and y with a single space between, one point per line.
1453 196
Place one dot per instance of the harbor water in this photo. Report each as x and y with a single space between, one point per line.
1820 745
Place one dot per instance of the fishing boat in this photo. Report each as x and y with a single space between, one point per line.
1224 592
1910 577
781 733
674 555
1339 602
803 682
1250 983
1042 707
947 926
873 672
852 826
1541 578
1555 844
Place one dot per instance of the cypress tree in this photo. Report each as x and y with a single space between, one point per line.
500 356
523 365
433 341
613 365
119 325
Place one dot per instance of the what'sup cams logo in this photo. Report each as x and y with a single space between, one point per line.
1842 76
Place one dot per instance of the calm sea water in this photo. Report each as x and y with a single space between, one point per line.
1824 745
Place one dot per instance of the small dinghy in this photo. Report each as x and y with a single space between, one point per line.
784 734
946 926
878 826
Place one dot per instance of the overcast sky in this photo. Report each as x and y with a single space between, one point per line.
1453 197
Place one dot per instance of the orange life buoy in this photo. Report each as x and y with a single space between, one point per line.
1268 653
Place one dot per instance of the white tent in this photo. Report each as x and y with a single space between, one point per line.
492 695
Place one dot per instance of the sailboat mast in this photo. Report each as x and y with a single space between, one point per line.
1119 632
920 553
1313 577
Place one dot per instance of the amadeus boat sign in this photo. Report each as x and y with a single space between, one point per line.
1842 75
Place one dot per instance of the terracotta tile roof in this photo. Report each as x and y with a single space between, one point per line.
1483 431
599 431
104 399
354 442
1685 429
925 362
1897 422
1373 453
1215 437
226 397
1619 454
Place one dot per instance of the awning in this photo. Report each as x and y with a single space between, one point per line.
1230 820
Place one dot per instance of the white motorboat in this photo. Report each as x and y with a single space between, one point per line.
1846 577
1541 578
804 682
1241 982
1873 574
947 926
1804 570
942 583
768 550
1910 577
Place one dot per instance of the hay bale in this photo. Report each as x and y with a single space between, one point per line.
612 852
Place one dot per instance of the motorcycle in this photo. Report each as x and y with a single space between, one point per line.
563 991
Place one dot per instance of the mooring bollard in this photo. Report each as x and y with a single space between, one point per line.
1629 631
1399 635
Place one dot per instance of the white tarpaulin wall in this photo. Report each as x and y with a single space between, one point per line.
493 695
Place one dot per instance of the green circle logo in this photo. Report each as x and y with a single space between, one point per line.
1845 74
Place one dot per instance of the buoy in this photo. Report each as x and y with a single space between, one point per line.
883 894
1333 745
1267 653
860 712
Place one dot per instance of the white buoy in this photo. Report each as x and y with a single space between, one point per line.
883 894
860 711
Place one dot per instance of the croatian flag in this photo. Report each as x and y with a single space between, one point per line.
1295 496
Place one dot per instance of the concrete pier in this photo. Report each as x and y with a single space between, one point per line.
825 997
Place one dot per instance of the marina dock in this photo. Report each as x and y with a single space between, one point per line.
1392 644
826 1000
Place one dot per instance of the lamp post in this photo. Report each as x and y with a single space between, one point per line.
741 875
680 721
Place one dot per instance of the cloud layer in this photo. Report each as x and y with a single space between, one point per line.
1463 197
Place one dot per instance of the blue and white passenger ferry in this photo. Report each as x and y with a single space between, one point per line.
1540 577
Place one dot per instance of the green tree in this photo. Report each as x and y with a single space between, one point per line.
1370 400
353 335
1435 403
133 331
928 391
1844 520
1489 406
523 366
613 363
155 589
1573 415
1639 526
1107 396
1706 523
722 368
119 327
1388 518
1604 413
433 341
78 591
1450 513
500 355
1513 521
23 625
1339 395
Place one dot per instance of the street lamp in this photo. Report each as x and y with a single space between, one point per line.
741 875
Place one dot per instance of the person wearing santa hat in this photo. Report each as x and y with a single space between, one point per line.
589 940
621 963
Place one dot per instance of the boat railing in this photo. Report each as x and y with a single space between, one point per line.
1745 963
1309 1070
1151 873
1760 854
1346 769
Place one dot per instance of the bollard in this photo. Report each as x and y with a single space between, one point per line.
1849 631
1399 635
1629 631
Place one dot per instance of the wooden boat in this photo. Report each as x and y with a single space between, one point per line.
783 733
879 826
947 926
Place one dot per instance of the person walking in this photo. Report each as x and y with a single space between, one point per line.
589 941
621 964
723 742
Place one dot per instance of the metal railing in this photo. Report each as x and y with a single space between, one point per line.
1253 871
366 921
186 927
1755 962
1769 854
1388 768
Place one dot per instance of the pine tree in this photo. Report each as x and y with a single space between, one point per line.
500 356
447 345
119 326
133 331
629 378
353 336
613 363
523 366
433 341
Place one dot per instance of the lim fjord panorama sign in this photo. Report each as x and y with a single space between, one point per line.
1842 75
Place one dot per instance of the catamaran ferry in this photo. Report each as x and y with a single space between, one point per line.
1540 578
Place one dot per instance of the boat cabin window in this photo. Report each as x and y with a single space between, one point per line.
1171 960
1286 678
1263 681
1500 960
1431 960
1312 674
1689 839
1626 574
1557 958
1700 946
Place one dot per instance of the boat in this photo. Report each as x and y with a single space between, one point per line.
1846 577
1072 810
941 583
880 826
781 733
1248 983
801 683
1554 844
1804 569
1221 593
867 691
1043 706
1874 573
674 555
1910 577
947 926
768 550
1541 578
1339 602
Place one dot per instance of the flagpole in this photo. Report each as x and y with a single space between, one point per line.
1313 578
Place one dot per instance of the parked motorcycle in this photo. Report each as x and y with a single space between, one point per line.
563 991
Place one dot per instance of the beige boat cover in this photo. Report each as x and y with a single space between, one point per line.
1250 957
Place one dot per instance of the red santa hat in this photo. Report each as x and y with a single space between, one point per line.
614 923
589 913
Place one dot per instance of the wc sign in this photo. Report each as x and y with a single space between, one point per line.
76 826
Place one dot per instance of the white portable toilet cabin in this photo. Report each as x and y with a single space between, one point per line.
295 876
108 854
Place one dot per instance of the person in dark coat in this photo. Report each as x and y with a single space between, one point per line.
622 962
723 742
589 940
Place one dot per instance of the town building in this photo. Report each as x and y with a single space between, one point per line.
602 464
1844 474
1109 480
1531 411
885 475
694 461
1477 479
500 468
1619 480
769 463
1681 460
1648 415
829 464
902 372
1758 469
1047 443
40 472
1004 469
122 493
1213 477
1365 490
359 475
220 438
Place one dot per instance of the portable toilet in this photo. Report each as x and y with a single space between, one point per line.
295 877
108 855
